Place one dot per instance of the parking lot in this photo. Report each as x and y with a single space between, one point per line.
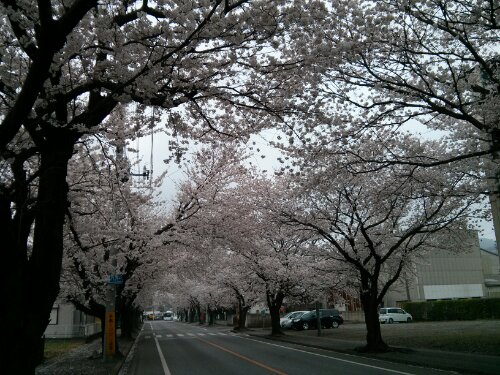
476 336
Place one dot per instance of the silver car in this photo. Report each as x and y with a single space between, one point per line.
286 321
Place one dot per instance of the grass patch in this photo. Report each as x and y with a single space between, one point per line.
57 347
469 343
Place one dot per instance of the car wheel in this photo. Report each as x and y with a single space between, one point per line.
408 320
335 324
390 321
305 326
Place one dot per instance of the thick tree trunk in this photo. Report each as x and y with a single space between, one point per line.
374 341
242 317
192 313
199 313
31 281
274 303
211 316
128 321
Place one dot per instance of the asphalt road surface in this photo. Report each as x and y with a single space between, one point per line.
174 348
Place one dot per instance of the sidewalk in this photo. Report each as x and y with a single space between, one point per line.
464 363
85 360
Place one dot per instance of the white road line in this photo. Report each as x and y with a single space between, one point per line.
147 337
332 358
212 334
166 371
191 334
201 334
170 335
222 334
159 336
180 334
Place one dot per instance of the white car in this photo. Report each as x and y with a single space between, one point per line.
393 314
286 321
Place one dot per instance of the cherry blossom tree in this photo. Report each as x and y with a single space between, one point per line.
109 232
427 65
375 219
68 66
259 258
393 61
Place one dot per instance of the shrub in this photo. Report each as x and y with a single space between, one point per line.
462 309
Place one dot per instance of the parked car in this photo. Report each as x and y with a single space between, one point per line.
330 318
393 314
286 321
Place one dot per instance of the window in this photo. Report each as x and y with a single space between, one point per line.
54 314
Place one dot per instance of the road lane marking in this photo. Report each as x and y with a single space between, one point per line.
170 335
332 358
191 334
166 371
159 336
252 361
180 334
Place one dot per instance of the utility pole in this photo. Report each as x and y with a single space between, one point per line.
114 278
318 318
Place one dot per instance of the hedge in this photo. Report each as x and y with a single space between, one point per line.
462 309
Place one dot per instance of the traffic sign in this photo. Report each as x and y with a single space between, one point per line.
115 279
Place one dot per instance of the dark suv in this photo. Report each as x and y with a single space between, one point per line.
330 318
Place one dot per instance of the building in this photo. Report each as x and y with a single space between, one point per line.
491 266
469 273
67 322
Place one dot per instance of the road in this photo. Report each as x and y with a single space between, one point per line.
174 348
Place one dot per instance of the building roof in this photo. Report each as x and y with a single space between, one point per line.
488 245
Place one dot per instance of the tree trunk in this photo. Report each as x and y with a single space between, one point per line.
274 303
198 312
211 317
31 281
374 341
242 318
191 315
128 321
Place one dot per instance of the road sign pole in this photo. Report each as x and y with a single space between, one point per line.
318 318
110 324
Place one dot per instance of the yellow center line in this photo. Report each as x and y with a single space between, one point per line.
254 362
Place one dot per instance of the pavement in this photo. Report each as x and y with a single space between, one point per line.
86 359
79 361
